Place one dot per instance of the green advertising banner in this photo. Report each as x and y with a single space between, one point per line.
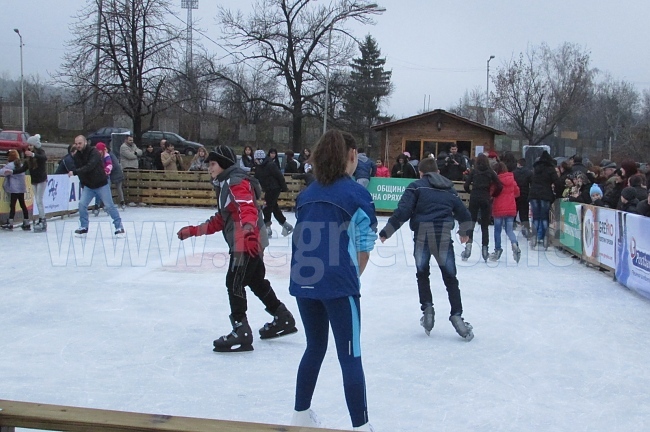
571 226
386 192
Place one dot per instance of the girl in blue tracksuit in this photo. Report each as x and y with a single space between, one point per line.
334 234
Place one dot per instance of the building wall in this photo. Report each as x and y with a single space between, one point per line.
451 130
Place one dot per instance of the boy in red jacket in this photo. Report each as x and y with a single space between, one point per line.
504 211
240 220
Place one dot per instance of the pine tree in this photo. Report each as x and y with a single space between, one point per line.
369 85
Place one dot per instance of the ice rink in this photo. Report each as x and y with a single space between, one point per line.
128 325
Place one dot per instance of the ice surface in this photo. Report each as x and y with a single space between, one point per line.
128 325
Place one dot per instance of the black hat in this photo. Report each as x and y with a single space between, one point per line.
223 155
629 193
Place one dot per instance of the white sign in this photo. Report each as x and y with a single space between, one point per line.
478 150
55 198
606 227
633 252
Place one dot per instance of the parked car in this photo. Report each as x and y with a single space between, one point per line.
182 145
104 135
13 140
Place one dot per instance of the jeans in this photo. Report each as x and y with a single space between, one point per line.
540 210
363 182
104 194
439 245
499 222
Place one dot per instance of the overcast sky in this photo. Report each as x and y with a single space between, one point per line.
436 49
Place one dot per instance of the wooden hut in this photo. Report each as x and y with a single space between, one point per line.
433 132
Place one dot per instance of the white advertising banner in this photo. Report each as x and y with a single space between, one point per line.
606 223
55 198
74 194
633 252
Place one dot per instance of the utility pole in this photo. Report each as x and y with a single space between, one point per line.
22 79
487 94
100 7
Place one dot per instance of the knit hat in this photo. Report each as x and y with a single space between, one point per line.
493 155
101 146
34 140
12 155
595 189
606 163
407 154
259 154
223 155
629 193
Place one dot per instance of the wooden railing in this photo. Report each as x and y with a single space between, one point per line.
29 415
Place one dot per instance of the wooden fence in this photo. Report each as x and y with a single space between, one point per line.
65 418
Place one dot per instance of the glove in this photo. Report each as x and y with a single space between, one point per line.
185 232
252 242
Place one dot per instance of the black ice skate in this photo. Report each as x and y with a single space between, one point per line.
485 253
79 232
428 319
516 252
467 252
239 339
283 324
9 225
464 329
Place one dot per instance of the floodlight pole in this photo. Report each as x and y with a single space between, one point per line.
487 94
22 79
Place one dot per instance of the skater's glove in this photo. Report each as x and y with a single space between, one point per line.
188 231
251 240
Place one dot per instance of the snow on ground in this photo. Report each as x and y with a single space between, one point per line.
128 325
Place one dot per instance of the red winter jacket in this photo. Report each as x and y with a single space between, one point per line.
504 204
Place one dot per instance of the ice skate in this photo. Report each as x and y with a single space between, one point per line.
366 427
122 206
119 232
532 242
306 418
40 226
80 232
428 319
26 226
546 242
9 225
496 255
283 324
269 231
467 252
516 252
96 211
287 229
464 329
485 253
239 339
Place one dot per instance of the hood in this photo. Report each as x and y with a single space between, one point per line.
507 178
363 158
545 159
438 181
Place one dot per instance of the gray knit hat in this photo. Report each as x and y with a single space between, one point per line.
34 140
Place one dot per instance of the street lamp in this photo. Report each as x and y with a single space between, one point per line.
487 94
22 81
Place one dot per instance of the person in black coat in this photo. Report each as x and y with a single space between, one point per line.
541 196
628 201
272 183
523 177
67 163
482 183
90 170
581 192
455 165
402 168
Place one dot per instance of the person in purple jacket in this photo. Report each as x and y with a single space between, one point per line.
334 234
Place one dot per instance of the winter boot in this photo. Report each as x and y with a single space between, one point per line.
26 226
269 231
9 225
41 225
485 253
428 318
306 418
239 339
366 427
467 252
283 324
516 252
287 229
496 255
464 329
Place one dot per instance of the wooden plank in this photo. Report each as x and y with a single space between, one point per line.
66 418
177 193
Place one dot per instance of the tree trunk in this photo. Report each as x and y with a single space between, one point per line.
296 140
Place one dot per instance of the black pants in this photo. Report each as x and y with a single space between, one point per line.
248 271
522 208
476 204
271 207
20 197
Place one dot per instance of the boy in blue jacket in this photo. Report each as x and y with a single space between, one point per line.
431 204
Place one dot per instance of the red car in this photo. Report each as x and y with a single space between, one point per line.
15 140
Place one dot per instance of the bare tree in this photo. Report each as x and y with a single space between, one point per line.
128 63
541 88
289 40
471 105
